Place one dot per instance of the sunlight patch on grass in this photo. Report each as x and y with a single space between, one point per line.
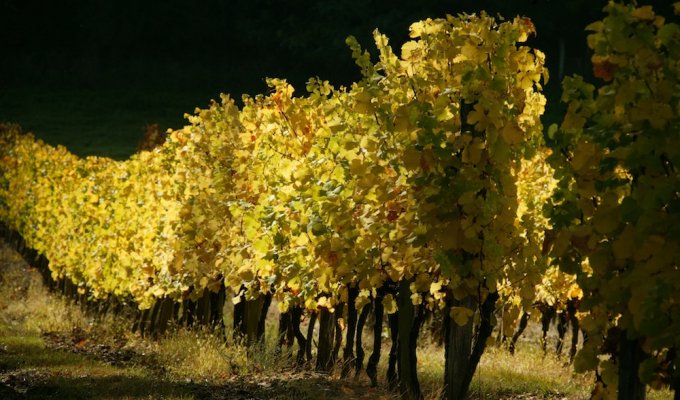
528 371
198 356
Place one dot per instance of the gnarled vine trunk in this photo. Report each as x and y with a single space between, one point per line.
361 322
523 321
324 355
392 375
629 358
310 335
372 366
348 358
463 349
248 319
409 322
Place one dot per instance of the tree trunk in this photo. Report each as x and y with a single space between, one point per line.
324 355
143 318
153 319
547 315
523 321
392 359
135 322
189 312
359 362
457 353
630 357
285 330
462 355
372 366
562 321
266 302
675 377
177 306
339 311
203 308
310 335
409 321
217 308
575 328
239 318
348 358
296 316
164 314
251 320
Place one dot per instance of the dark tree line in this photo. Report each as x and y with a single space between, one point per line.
102 40
230 46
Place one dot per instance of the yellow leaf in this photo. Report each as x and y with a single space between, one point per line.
512 134
461 315
310 304
283 306
473 153
246 274
435 288
644 13
261 246
408 50
411 159
596 26
416 29
203 282
357 167
294 284
337 244
325 302
527 292
363 298
301 240
302 174
575 292
363 103
389 303
479 118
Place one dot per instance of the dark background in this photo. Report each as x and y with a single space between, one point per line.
91 73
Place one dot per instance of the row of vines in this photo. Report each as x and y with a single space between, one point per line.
425 190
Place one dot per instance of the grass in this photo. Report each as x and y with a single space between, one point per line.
51 349
31 369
